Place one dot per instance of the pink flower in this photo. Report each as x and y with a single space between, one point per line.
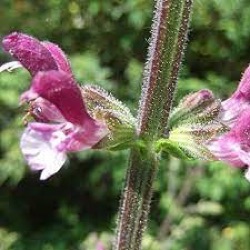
62 123
234 146
233 107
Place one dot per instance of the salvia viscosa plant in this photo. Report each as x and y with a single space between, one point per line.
63 116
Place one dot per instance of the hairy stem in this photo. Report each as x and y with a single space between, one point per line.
136 199
169 32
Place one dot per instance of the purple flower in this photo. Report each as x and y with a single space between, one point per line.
62 123
233 147
203 127
233 107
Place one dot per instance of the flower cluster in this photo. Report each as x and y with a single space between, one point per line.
233 147
205 128
62 123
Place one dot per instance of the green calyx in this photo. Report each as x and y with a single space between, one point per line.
200 106
104 107
190 141
166 147
193 123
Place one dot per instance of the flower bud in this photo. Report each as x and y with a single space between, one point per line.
197 106
193 124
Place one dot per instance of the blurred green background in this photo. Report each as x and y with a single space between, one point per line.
196 205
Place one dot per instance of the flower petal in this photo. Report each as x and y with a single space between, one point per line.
38 145
234 146
238 102
226 149
60 89
231 109
243 90
81 138
30 52
28 96
59 56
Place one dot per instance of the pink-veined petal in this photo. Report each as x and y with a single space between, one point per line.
59 56
243 90
238 102
29 52
60 89
81 138
231 109
39 147
27 96
234 146
226 149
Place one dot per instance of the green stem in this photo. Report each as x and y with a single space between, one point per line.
136 199
128 205
146 196
169 32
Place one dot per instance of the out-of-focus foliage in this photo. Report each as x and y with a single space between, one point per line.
196 205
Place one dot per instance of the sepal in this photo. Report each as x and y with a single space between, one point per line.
166 147
194 123
191 144
121 124
122 132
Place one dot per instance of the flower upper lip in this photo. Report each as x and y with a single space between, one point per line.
52 75
29 52
34 55
60 89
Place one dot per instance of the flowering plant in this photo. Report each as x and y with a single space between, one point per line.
62 122
70 118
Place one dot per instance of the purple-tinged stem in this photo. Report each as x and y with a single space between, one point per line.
169 33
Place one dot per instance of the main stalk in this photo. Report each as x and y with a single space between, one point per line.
168 38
